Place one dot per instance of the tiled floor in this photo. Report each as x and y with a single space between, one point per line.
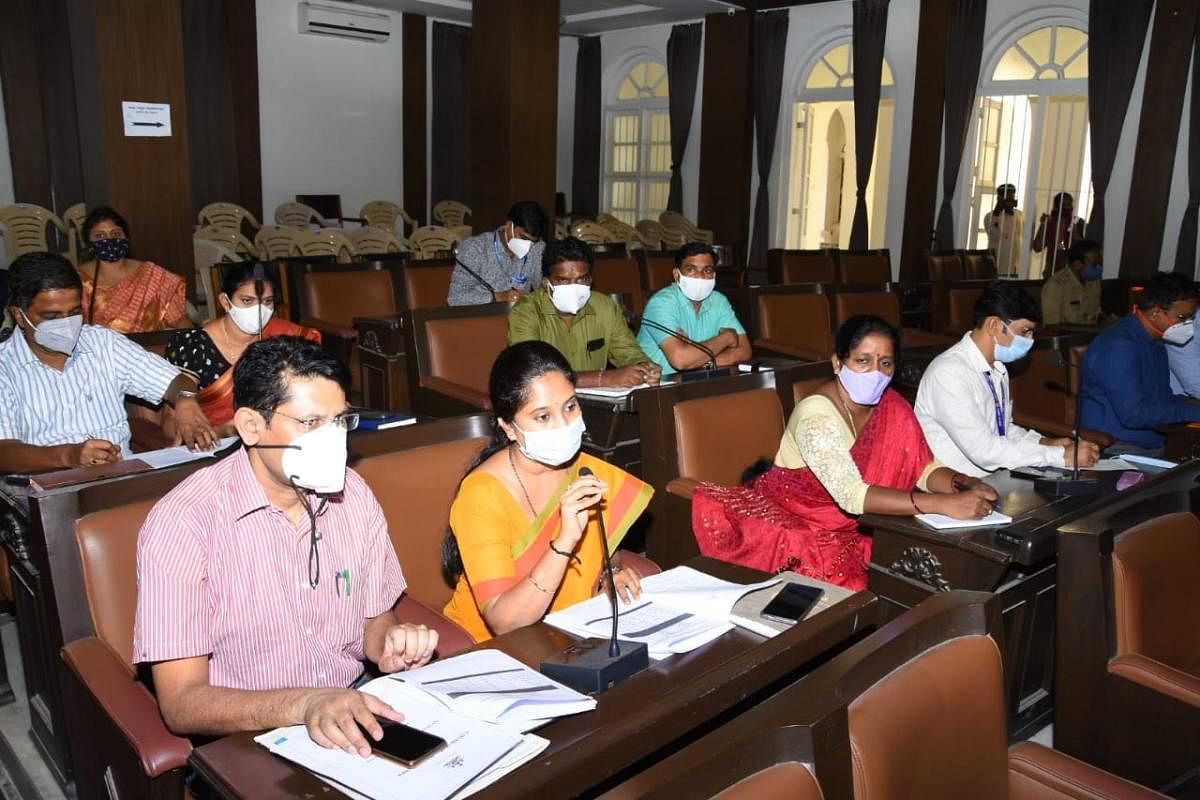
14 719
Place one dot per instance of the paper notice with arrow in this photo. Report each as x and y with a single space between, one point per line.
146 119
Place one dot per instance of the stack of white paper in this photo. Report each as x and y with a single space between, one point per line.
943 523
611 392
477 753
173 456
493 686
678 611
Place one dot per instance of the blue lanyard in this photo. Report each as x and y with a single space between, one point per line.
520 279
997 400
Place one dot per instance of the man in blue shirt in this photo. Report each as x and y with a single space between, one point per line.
1126 380
691 307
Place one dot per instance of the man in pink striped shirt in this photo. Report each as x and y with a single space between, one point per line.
266 579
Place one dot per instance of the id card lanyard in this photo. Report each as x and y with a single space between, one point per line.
502 261
999 400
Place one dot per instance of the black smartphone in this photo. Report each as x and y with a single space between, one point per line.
407 745
792 602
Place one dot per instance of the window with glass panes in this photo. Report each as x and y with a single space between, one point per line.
637 174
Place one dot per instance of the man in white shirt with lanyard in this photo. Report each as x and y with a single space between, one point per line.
964 402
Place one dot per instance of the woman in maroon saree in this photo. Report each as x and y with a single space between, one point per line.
852 447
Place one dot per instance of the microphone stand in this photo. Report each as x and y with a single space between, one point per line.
1074 484
583 665
709 370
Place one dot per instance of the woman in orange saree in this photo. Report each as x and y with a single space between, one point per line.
852 447
522 539
209 353
123 293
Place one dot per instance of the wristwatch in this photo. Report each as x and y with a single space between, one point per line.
182 393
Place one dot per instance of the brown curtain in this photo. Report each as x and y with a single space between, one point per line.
1116 33
585 171
964 48
1185 252
770 42
450 135
870 30
683 67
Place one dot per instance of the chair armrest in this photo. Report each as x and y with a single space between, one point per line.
683 487
639 562
328 328
451 638
456 390
129 704
768 347
1037 771
1157 677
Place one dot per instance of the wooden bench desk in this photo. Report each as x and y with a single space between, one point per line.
635 723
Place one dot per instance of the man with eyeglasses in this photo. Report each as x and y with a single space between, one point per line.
589 329
692 307
266 579
1126 378
964 402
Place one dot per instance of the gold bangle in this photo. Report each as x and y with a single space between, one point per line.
537 585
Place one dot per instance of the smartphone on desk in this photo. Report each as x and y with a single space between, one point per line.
792 603
405 744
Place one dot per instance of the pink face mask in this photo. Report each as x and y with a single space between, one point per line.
864 388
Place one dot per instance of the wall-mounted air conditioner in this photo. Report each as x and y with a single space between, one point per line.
345 20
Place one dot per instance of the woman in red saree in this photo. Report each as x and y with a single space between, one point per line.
852 447
209 353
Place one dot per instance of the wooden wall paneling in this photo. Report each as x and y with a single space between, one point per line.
726 129
243 76
514 103
925 146
414 49
90 103
1158 131
207 81
19 74
140 48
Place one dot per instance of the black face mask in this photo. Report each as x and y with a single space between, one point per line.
110 250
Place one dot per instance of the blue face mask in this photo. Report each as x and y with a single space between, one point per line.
1092 272
1015 350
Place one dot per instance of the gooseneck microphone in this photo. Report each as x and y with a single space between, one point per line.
614 648
712 357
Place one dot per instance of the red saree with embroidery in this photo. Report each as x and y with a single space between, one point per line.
786 519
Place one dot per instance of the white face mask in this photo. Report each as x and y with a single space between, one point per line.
59 335
571 298
252 319
554 446
696 289
1179 333
520 247
317 460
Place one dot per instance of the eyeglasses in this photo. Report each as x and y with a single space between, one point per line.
347 420
692 271
582 280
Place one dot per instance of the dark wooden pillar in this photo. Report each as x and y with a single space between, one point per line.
416 176
925 146
726 129
1154 160
514 106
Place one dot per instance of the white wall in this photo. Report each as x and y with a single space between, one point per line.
330 111
568 52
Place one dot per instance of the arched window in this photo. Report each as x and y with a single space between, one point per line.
1031 132
822 175
637 165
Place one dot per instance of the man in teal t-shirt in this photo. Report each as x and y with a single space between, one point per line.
691 307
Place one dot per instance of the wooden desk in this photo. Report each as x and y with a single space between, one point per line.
383 363
910 561
634 725
1183 441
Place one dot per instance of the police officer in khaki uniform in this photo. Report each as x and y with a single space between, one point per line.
1072 296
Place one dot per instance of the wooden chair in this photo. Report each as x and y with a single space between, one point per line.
371 240
451 213
885 304
945 267
450 355
801 266
299 215
978 264
792 321
384 213
278 241
620 274
857 267
426 283
228 216
682 230
435 241
25 228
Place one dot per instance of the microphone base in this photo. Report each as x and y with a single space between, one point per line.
1066 486
587 667
703 374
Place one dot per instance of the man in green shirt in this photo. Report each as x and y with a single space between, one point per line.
588 329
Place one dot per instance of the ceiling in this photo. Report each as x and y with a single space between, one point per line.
581 17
